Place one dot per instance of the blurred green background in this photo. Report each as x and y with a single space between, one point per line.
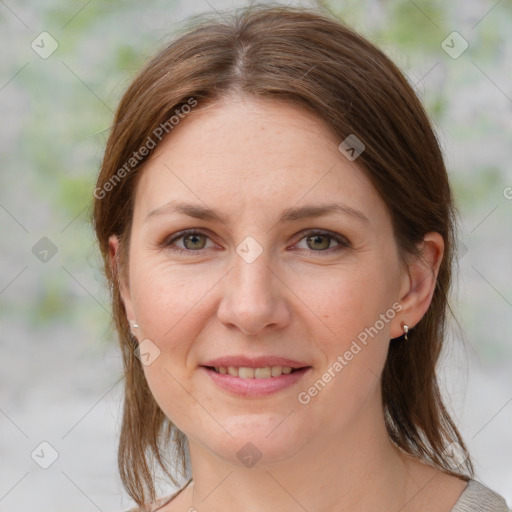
60 371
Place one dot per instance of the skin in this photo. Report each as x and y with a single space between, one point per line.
249 159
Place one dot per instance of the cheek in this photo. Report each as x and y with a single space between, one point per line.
346 301
356 309
172 390
167 298
170 311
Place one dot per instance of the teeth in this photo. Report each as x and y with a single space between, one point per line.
262 373
244 372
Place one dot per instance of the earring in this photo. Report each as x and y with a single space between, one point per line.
406 330
134 325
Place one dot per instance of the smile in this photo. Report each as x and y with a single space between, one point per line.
254 382
244 372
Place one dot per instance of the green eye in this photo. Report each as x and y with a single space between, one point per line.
320 241
316 241
194 240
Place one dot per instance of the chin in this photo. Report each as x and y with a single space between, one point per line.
258 440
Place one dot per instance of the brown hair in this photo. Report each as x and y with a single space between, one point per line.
312 60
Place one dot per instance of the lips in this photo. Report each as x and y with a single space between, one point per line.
254 387
225 373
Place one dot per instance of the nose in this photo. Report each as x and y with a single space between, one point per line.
254 298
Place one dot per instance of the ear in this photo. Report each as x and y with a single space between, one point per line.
418 283
120 275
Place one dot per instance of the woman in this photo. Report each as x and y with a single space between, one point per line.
277 228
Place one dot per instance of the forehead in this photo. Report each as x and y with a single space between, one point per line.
246 153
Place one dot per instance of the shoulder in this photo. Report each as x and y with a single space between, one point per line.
478 497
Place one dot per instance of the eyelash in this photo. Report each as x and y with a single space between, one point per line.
343 242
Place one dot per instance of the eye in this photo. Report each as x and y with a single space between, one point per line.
320 241
193 241
316 241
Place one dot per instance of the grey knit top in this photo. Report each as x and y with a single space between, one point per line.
479 498
476 497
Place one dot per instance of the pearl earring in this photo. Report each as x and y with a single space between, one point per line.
134 325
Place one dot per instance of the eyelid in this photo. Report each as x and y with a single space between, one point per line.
341 239
168 241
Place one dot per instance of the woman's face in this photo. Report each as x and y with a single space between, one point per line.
303 287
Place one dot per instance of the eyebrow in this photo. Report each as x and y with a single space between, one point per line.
289 215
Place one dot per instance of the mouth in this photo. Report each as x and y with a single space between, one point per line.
249 382
246 372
